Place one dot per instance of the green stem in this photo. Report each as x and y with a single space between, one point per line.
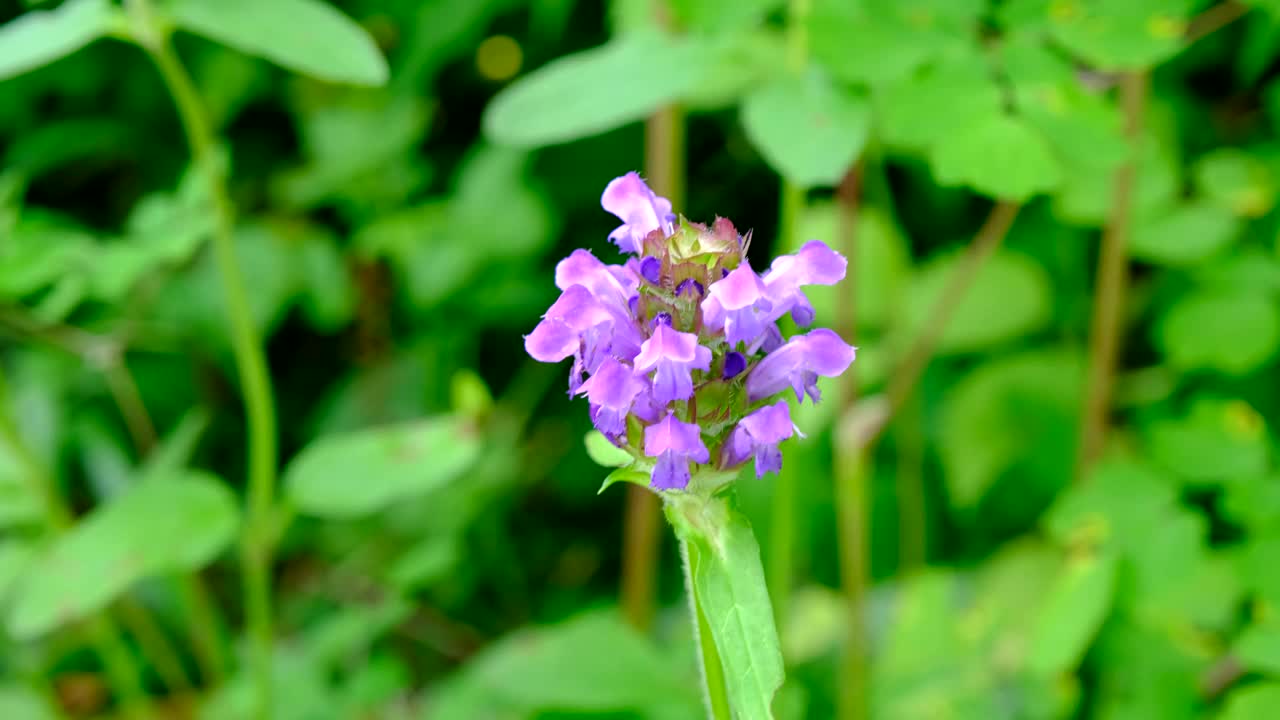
205 627
251 365
717 693
852 524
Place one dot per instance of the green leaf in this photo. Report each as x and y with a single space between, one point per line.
728 584
1258 649
1011 412
997 155
1183 236
1119 501
1252 702
1009 297
717 16
593 91
307 36
39 37
351 474
1133 34
1237 181
170 525
911 110
1085 196
1074 610
177 447
634 474
591 664
1233 334
21 702
808 129
604 452
894 38
1218 441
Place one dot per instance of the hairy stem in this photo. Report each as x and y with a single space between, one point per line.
251 365
716 692
1108 303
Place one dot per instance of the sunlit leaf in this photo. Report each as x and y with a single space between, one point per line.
1231 333
1074 610
605 453
351 474
1113 36
996 155
307 36
1184 235
1217 441
1251 702
1237 180
168 525
807 128
39 37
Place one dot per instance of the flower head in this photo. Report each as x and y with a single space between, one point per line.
678 348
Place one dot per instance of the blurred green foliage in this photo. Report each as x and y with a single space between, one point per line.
405 174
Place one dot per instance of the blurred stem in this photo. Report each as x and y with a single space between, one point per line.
204 627
122 671
850 488
154 644
251 363
124 390
782 529
665 168
717 694
913 528
1108 303
1214 19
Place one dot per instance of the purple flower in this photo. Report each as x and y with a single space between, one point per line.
573 315
612 390
675 444
639 209
798 363
734 364
736 303
673 355
814 264
613 284
758 434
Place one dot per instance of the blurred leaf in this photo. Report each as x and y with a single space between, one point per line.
1237 181
1002 413
356 473
1130 35
1251 702
710 16
1073 611
176 524
592 663
1216 441
1119 501
1258 649
728 584
24 703
1183 236
808 129
928 106
817 622
1082 127
1009 297
1254 503
18 504
41 36
1085 194
425 563
307 36
1233 334
605 453
997 155
177 447
593 91
15 556
894 38
328 295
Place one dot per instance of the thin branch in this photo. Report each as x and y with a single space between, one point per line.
1214 19
124 390
1108 305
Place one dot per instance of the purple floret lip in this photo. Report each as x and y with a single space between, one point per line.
640 210
757 437
813 264
675 444
737 303
798 363
672 356
612 390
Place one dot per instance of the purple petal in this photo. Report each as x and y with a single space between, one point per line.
828 355
814 264
739 289
768 459
666 343
639 209
770 424
651 269
671 434
671 472
797 363
611 284
552 341
613 385
734 364
559 335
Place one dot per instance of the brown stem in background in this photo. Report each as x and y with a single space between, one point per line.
921 350
1214 19
1108 305
124 390
665 171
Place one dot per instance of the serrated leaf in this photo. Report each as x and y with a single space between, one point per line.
1183 236
997 155
604 452
171 525
1231 333
1073 611
807 128
593 91
350 474
39 37
308 36
1009 297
